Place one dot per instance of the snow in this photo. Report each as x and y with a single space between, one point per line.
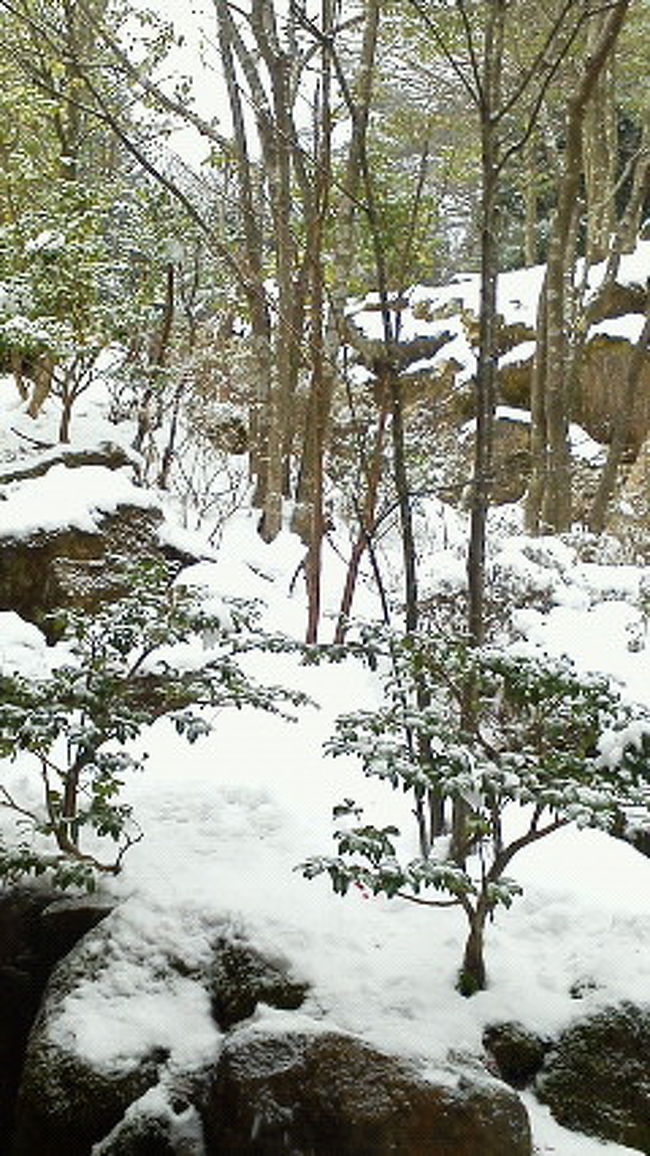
228 819
518 355
23 646
626 328
633 269
431 311
68 499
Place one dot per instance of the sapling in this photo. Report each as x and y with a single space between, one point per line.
546 747
154 652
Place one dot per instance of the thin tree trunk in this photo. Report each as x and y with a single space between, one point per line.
366 527
550 502
157 359
473 976
538 434
600 147
489 98
530 204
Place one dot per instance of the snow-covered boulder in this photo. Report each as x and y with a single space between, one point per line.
324 1092
64 536
65 1103
596 1079
37 928
125 1044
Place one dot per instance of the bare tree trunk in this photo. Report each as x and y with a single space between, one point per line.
366 515
473 974
484 390
157 358
538 433
549 499
263 463
530 204
600 147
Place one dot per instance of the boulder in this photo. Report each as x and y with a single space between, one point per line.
322 1092
65 1104
243 976
53 569
603 376
516 1053
596 1079
511 459
34 934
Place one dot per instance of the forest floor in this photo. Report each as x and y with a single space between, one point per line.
227 820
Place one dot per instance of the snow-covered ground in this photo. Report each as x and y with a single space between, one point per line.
227 820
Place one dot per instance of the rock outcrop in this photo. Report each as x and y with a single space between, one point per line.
602 385
61 560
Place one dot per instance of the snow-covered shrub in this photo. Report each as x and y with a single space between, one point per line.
154 652
518 746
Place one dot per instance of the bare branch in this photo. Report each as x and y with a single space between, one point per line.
474 93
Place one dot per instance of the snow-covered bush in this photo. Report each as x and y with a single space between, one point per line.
154 652
518 746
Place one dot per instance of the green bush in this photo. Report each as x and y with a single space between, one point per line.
126 668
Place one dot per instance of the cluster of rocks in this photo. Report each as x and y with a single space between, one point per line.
287 1083
595 1076
291 1085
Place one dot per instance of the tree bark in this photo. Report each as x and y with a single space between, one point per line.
473 976
549 500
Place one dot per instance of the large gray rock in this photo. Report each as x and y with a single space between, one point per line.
325 1093
597 1077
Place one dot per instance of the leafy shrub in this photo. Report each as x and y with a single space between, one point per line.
493 732
127 667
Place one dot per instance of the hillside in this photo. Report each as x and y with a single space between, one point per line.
227 820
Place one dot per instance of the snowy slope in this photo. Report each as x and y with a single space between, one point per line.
227 820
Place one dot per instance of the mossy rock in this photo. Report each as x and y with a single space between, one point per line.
517 1053
242 977
597 1077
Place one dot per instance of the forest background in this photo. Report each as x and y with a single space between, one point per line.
349 149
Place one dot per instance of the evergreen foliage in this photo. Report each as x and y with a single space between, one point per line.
139 659
527 744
